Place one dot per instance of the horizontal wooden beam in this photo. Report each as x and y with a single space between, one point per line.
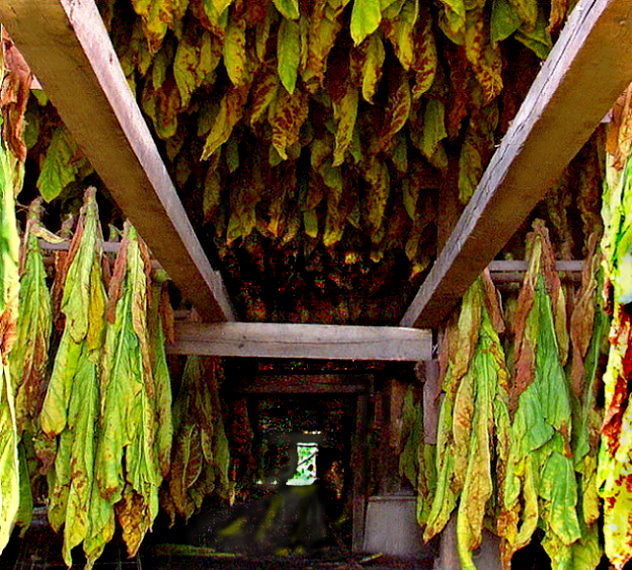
283 340
580 80
68 48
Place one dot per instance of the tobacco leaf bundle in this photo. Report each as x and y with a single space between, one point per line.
416 461
9 291
540 485
29 358
472 440
200 456
588 334
71 406
161 331
615 457
128 470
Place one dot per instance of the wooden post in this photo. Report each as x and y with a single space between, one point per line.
359 452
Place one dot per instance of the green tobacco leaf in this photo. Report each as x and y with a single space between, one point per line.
527 10
29 358
365 19
9 288
71 407
434 127
59 167
537 39
505 20
288 8
288 53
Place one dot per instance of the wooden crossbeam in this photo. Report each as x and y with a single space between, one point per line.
578 83
68 48
283 340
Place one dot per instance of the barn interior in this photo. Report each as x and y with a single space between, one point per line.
348 166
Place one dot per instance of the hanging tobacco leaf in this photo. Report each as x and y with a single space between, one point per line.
29 358
540 486
128 472
9 290
200 457
365 19
614 463
473 437
588 334
62 165
71 407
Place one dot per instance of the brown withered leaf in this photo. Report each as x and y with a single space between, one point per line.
287 114
15 88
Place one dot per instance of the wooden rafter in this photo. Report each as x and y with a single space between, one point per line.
68 48
285 340
576 86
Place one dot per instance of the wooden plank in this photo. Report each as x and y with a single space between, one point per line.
578 83
68 48
283 340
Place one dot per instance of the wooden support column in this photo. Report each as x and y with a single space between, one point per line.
359 459
580 80
68 48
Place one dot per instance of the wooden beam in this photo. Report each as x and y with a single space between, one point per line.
68 48
282 340
578 83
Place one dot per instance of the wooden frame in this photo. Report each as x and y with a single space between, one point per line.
576 86
69 50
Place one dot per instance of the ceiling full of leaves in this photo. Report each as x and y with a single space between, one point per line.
313 142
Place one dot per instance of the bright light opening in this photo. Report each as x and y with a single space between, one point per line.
306 469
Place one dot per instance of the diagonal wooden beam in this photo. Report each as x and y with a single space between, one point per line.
578 83
283 340
68 48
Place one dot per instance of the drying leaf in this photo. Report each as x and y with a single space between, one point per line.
397 110
200 452
29 358
505 20
289 53
372 62
231 109
345 113
399 31
192 64
527 10
9 288
484 56
288 8
287 115
614 471
425 62
61 166
127 468
540 485
365 19
71 406
264 92
15 88
376 174
235 51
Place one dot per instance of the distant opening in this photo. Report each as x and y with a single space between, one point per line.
305 473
